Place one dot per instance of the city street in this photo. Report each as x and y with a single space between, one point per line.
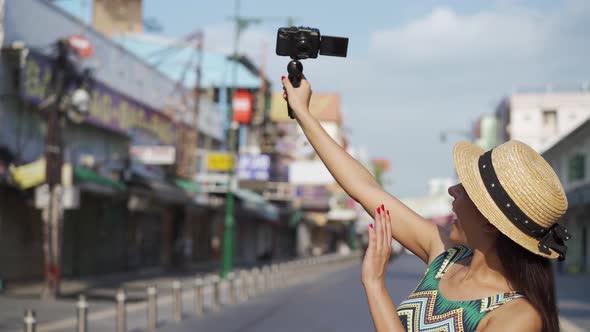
327 300
170 165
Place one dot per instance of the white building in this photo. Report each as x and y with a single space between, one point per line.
541 119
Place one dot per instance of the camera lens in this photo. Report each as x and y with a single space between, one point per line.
303 48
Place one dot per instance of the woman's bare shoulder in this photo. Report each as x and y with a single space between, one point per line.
516 315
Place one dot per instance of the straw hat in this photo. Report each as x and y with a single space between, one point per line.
518 192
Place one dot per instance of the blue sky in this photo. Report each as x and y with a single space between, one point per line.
415 68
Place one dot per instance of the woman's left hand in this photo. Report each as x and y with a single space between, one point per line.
379 250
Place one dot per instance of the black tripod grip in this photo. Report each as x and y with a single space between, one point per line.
295 70
296 82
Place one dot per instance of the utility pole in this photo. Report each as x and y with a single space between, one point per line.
64 73
52 215
197 93
241 23
229 220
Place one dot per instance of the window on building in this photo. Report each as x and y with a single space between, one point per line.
550 120
577 168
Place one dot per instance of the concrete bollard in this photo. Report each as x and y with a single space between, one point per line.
121 297
152 308
29 321
266 277
216 286
274 270
257 286
245 285
231 287
198 296
249 279
177 293
82 309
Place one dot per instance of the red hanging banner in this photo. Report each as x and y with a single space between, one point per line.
242 106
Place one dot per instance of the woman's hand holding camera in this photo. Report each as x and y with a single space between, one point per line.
298 98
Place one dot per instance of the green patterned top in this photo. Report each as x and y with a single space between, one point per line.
426 309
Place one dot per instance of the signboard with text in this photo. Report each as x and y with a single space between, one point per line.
254 167
109 109
242 104
154 155
220 161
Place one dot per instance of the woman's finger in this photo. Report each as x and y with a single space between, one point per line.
286 84
384 229
388 233
372 239
379 229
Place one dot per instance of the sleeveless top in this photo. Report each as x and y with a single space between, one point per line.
426 309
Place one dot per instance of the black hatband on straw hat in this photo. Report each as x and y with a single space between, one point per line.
553 237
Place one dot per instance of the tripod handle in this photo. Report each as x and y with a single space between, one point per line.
295 69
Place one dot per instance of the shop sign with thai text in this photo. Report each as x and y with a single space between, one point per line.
108 108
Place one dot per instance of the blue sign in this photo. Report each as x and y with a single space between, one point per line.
253 167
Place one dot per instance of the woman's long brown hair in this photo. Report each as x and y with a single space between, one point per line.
532 276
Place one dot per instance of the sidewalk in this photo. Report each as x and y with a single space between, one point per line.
100 293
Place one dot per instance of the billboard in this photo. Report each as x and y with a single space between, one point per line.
254 167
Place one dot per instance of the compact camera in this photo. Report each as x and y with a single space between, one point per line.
306 43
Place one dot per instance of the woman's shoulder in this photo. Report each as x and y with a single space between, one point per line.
516 315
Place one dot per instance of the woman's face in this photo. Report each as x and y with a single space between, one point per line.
469 223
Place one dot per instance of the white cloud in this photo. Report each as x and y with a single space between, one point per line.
447 37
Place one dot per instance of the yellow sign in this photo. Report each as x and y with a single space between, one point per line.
33 174
29 175
220 161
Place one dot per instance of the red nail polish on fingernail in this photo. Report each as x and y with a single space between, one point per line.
382 207
387 212
282 78
371 225
378 212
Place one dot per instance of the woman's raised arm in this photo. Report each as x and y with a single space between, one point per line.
414 232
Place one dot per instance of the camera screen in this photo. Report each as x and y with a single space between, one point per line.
334 46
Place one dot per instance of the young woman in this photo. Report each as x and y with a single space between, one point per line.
492 272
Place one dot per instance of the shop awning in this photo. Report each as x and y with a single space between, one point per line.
258 204
158 190
188 186
89 180
296 218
